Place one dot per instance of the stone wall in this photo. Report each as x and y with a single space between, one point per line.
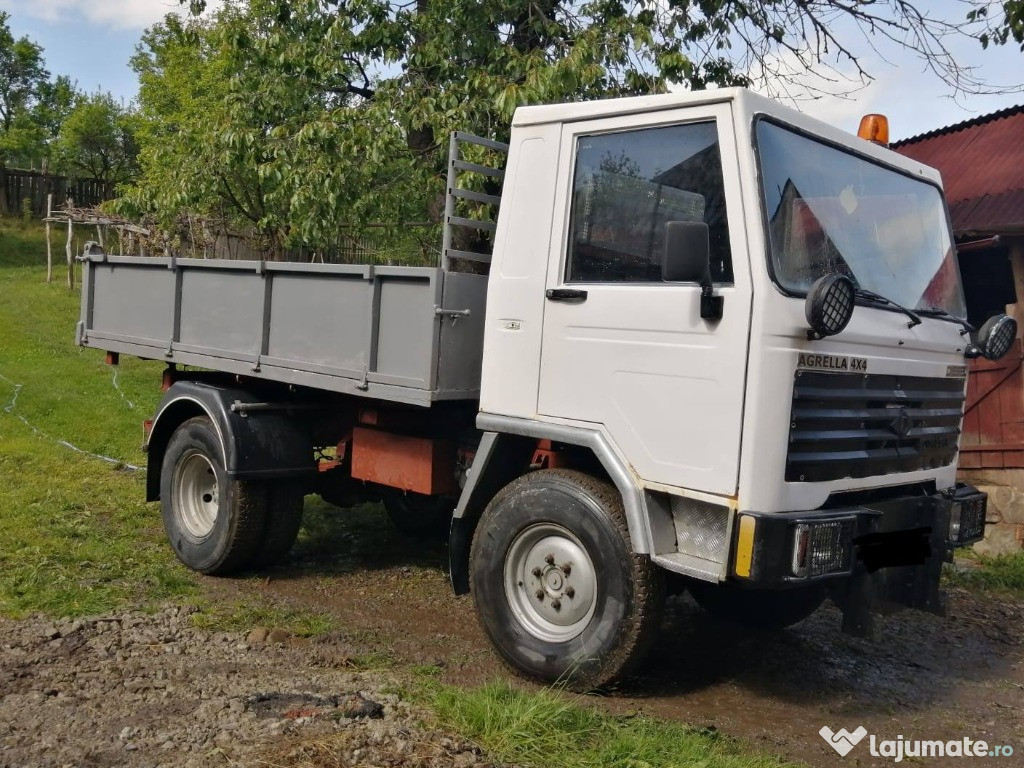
1004 524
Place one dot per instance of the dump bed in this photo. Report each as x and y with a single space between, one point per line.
406 334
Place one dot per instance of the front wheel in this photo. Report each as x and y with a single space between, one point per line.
215 525
556 584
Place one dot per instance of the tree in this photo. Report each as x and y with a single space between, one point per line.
327 112
190 159
22 73
96 141
56 99
236 121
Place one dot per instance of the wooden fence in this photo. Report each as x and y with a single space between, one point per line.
19 185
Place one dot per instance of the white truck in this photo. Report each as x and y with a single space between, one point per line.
721 347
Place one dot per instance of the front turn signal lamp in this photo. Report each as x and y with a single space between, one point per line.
874 128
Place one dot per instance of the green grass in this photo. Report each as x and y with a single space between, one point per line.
550 729
243 615
75 536
998 574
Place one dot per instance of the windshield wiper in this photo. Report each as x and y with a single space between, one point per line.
944 315
864 293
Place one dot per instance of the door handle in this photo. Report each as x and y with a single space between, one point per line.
566 294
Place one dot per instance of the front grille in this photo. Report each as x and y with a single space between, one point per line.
860 425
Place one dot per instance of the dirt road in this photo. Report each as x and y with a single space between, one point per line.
921 677
137 689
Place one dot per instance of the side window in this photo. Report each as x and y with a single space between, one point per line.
627 185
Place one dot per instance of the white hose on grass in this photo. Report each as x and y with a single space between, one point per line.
120 391
10 409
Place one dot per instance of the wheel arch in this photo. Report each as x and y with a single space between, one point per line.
263 444
504 454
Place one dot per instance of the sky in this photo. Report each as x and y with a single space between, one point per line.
92 41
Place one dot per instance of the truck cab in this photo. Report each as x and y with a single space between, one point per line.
755 320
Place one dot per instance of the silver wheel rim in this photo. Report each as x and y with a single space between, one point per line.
196 494
550 582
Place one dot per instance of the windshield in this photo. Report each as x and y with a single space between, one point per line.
830 211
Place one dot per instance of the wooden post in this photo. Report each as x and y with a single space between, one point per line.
49 245
192 236
71 256
1016 309
99 234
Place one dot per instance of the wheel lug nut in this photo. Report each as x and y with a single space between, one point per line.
540 594
550 559
570 593
567 569
537 572
556 604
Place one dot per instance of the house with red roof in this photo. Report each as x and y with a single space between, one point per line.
982 165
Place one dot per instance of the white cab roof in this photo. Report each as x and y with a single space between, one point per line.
746 104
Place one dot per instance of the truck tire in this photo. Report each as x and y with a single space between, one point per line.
284 518
757 608
556 584
418 516
214 524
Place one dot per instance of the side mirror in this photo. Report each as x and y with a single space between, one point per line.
995 337
687 259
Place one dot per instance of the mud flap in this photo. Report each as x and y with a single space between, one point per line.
459 538
856 598
893 587
915 587
267 444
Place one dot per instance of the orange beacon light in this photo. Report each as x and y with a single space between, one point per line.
874 128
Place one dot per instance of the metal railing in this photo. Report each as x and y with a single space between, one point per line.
452 220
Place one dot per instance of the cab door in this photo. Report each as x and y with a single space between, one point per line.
623 348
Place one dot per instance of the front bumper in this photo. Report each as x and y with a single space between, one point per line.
889 551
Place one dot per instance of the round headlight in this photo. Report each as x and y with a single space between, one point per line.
829 305
997 336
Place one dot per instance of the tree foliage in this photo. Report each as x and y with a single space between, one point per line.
96 140
1006 25
243 119
295 117
22 75
34 109
54 102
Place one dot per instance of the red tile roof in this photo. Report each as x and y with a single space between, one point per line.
982 166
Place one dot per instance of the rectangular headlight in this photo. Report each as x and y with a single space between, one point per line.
972 523
967 519
822 548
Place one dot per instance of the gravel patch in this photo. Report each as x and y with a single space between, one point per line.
152 690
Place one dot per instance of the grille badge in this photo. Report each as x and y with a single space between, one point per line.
902 424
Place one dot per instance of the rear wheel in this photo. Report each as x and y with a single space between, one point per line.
214 524
284 518
756 608
556 584
417 515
